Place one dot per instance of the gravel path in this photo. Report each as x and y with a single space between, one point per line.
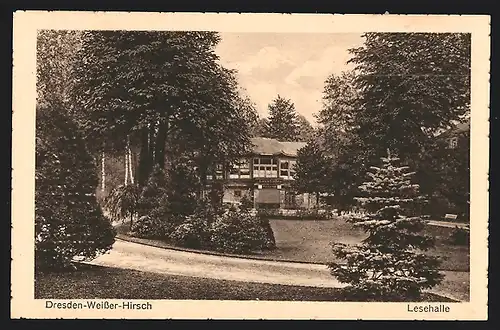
135 256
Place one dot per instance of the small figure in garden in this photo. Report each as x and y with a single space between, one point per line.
390 263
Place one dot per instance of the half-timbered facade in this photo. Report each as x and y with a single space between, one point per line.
264 176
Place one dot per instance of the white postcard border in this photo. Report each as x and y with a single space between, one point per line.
23 304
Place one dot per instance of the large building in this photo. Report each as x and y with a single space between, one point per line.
265 176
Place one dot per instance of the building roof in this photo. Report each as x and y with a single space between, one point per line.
462 127
267 146
457 129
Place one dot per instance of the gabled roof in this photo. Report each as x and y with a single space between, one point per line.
267 146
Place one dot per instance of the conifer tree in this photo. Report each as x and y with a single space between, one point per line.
282 121
390 264
305 130
68 219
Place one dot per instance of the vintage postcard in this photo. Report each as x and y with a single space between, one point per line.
250 166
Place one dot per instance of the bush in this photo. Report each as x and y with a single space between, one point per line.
237 231
246 203
192 233
182 186
149 227
460 236
154 195
208 211
270 240
68 219
158 218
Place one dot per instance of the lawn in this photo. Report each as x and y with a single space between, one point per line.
96 282
303 240
309 240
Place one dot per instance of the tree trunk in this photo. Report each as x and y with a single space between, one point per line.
160 142
103 172
130 166
144 158
202 173
126 166
317 200
151 144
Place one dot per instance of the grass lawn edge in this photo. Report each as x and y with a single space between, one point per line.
164 245
123 234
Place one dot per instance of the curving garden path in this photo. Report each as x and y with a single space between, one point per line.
135 256
140 257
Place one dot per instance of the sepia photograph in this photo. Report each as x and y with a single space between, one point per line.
207 164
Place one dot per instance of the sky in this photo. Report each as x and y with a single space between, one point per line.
292 65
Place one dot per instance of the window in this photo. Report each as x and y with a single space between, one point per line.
240 170
216 172
292 168
219 171
453 142
237 193
286 169
265 167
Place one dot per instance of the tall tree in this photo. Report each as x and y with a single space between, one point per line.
282 121
259 130
405 88
447 175
311 170
55 58
413 85
306 131
340 98
338 137
154 87
68 219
